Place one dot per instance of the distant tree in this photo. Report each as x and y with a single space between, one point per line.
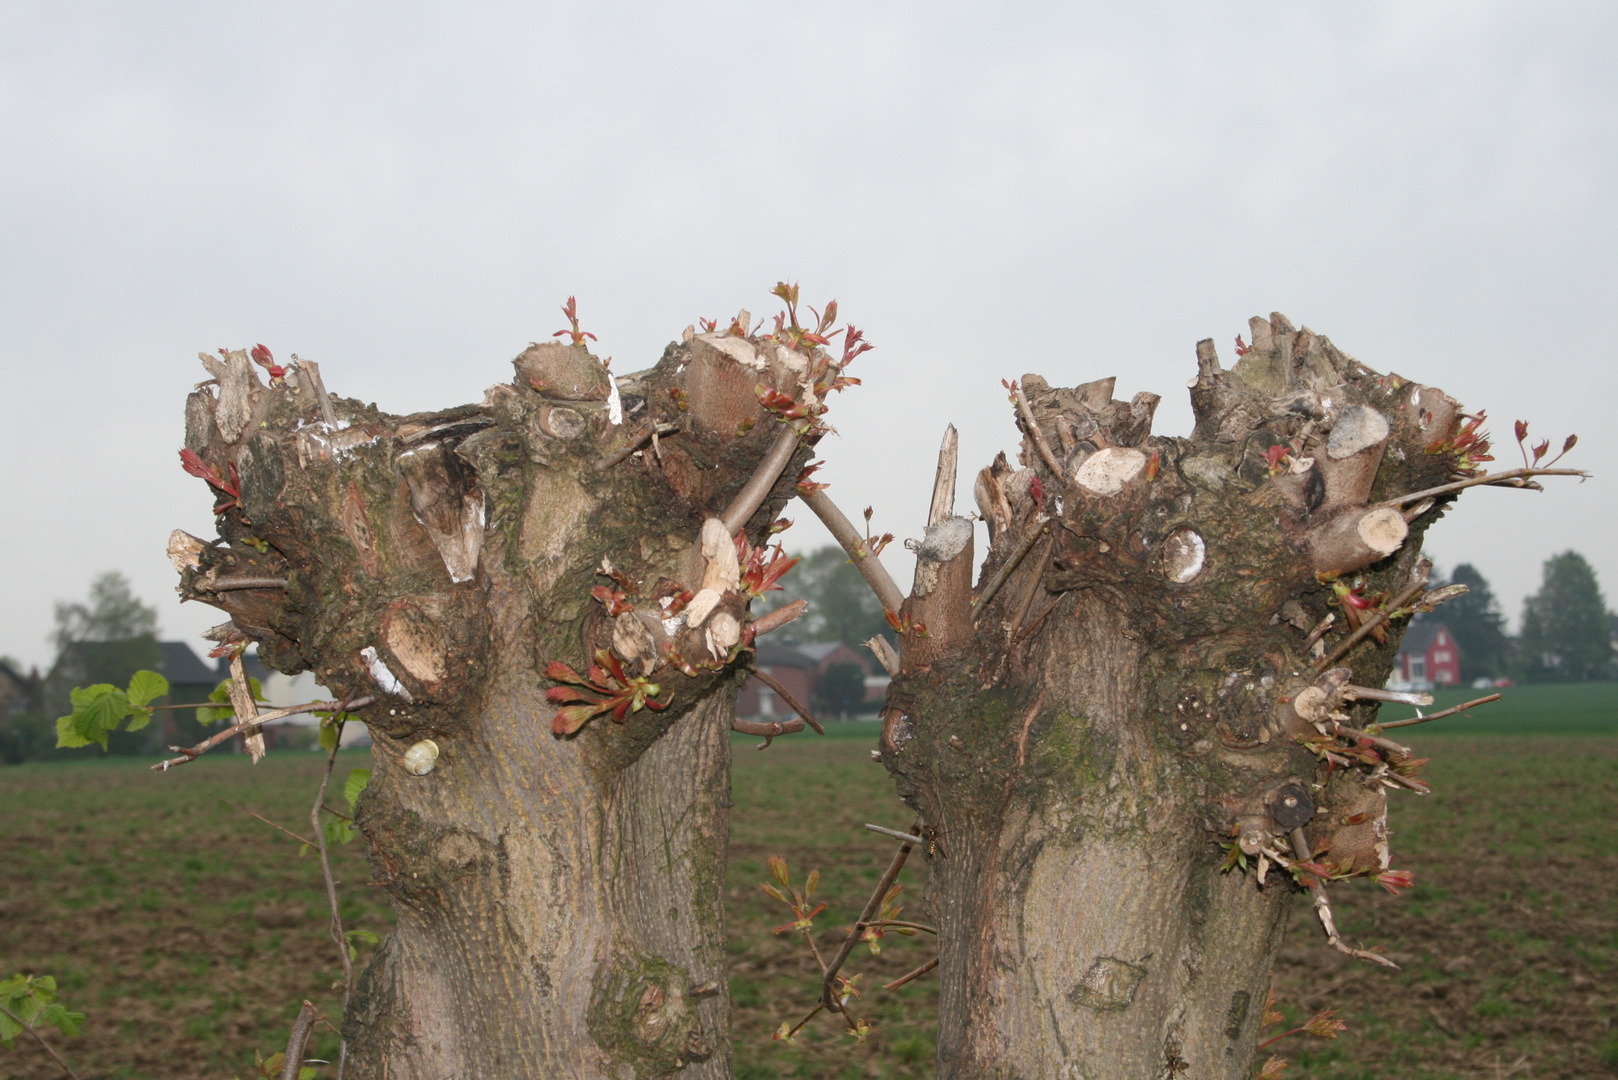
1566 634
842 688
841 607
104 639
1477 625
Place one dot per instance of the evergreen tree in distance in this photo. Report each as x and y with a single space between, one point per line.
1565 634
1477 625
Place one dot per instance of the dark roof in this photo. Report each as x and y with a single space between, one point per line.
182 665
1419 638
782 656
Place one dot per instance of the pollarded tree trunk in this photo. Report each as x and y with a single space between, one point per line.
559 893
1135 684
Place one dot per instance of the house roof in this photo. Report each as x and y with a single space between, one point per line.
182 665
1419 638
819 650
782 656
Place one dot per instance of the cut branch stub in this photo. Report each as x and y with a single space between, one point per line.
448 502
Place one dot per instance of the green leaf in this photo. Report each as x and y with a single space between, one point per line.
138 718
14 987
307 1072
337 830
329 734
97 710
9 1029
66 737
146 687
357 780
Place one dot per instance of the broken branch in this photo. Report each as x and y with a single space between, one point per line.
774 620
769 730
1044 448
1024 546
943 505
230 584
647 433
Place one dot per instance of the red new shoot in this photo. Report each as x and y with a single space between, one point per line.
872 545
761 567
264 359
192 463
1542 448
571 310
613 600
1470 444
807 486
606 689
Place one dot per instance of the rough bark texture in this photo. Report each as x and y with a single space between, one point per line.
1131 692
1083 743
559 897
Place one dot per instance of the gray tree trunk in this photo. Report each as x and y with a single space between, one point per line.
559 896
1082 741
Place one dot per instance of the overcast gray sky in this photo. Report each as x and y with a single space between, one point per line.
407 192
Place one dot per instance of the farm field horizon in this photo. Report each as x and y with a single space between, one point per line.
189 932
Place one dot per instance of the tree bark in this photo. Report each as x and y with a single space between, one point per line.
1130 703
559 896
1082 743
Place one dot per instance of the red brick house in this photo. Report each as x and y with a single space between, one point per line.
799 668
1428 656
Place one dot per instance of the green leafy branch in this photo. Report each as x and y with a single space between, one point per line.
28 1002
99 709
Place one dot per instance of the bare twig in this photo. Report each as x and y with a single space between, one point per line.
337 934
1319 631
869 566
267 821
1030 426
218 737
1376 618
1451 711
895 833
872 906
774 620
636 441
301 1027
231 584
770 730
757 489
1024 546
884 654
911 976
40 1039
1300 849
1509 478
786 695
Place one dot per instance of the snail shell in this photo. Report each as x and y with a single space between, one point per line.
421 758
